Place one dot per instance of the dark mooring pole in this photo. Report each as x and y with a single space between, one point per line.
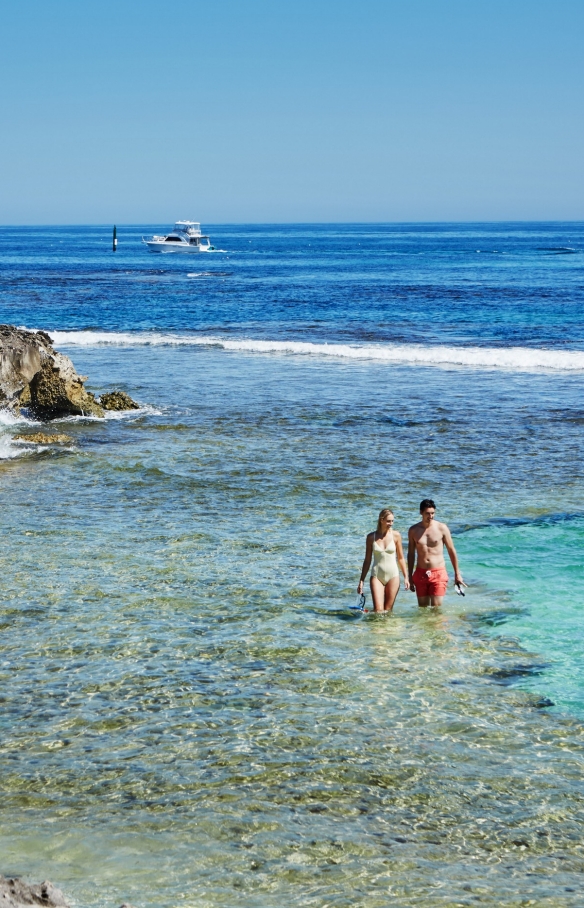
114 241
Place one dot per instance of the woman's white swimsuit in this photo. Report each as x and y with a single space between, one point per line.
384 562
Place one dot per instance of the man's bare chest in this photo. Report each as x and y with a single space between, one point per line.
431 541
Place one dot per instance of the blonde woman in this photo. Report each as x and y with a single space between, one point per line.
384 548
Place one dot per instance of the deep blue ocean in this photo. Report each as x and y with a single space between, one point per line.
191 714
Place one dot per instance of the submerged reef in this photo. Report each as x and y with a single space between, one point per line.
43 438
35 375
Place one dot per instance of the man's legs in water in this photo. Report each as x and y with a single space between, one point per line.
432 601
430 587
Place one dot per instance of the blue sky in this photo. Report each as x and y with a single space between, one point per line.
291 110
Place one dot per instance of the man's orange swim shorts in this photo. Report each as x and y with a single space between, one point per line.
430 583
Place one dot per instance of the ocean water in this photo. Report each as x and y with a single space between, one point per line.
191 715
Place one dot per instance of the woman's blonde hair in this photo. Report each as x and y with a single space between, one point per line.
385 513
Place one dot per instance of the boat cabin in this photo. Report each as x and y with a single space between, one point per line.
189 231
186 234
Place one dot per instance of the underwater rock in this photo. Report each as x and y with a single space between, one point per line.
117 400
512 673
43 438
14 893
33 374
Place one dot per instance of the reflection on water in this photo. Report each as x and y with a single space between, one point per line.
187 718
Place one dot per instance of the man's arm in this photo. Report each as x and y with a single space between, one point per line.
447 539
411 555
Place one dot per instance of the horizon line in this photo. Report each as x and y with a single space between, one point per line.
108 225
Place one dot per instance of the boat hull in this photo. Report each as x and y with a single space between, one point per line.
175 247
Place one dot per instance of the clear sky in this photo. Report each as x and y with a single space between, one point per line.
144 111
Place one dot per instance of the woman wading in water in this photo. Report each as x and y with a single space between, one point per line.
384 546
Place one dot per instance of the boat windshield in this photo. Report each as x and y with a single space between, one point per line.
191 228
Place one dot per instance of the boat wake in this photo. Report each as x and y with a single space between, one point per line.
515 359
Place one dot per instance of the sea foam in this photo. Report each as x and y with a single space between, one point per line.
515 359
8 422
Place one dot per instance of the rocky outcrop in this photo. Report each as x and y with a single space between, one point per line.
14 893
33 374
118 400
56 390
20 360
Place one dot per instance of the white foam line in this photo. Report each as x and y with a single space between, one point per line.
8 450
7 418
516 359
132 414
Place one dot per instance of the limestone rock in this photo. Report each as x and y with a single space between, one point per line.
14 893
118 400
20 360
43 438
56 390
33 374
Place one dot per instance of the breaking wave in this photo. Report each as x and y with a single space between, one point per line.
10 421
515 359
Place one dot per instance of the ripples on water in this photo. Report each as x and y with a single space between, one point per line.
191 715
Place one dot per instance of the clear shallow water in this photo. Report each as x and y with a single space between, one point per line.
190 714
538 565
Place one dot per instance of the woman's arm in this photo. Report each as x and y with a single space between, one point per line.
401 558
366 560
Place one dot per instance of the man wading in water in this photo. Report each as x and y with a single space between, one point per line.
427 539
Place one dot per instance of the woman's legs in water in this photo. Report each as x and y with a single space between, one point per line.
384 595
377 594
391 591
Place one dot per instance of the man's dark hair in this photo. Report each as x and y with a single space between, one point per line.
426 503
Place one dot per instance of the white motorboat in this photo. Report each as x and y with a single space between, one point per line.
186 237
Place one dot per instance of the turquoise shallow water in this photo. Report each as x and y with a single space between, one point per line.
537 567
190 713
